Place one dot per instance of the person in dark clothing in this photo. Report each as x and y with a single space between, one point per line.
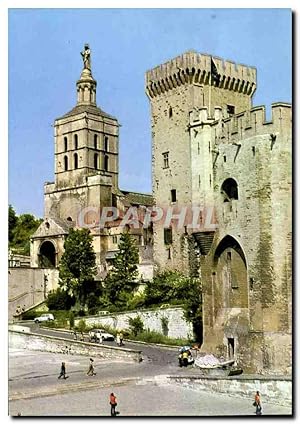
62 371
91 368
113 404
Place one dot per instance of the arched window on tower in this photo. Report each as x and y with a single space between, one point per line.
75 160
66 162
66 143
76 141
95 141
106 144
106 163
229 190
96 156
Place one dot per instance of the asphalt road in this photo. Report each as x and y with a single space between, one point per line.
142 390
161 356
34 390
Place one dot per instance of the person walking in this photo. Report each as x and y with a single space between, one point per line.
91 368
62 371
113 404
121 339
257 404
118 339
75 335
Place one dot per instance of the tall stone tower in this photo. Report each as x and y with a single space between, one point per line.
86 153
212 150
181 163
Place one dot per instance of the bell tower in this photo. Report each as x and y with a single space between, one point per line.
86 138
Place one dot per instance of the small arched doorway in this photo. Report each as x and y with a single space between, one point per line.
47 255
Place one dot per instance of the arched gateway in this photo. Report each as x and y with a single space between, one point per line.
47 255
226 304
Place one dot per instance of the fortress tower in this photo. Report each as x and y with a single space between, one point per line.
176 89
213 151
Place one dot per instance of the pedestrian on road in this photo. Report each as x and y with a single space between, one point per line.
121 339
62 371
118 339
113 404
75 335
91 368
100 338
257 404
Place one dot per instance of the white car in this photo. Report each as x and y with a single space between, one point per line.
44 317
95 333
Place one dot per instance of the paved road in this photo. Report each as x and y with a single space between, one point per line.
34 389
154 354
41 394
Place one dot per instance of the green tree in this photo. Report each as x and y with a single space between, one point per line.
121 280
77 267
25 226
136 325
163 288
12 222
59 300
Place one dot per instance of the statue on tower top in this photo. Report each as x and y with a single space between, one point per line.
86 57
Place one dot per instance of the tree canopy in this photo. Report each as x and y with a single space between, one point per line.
121 279
77 267
20 229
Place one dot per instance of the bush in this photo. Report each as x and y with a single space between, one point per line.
136 325
31 314
59 300
154 337
81 326
137 301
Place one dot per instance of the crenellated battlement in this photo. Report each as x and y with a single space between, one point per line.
195 68
245 124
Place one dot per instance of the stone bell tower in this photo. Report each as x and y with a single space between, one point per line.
86 153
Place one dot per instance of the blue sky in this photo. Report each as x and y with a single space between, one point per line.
44 64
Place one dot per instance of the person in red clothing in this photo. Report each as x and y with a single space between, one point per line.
257 404
113 404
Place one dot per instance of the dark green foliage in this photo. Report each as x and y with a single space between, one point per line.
136 325
12 222
59 300
120 282
20 230
81 326
165 287
77 267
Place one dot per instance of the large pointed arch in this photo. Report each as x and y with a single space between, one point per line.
229 242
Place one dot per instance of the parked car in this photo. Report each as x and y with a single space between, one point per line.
95 333
44 317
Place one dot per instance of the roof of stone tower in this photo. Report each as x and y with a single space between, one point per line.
93 110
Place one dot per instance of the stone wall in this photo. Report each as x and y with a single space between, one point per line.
26 287
278 391
178 327
22 340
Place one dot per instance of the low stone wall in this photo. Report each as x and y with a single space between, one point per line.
177 326
277 390
29 341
